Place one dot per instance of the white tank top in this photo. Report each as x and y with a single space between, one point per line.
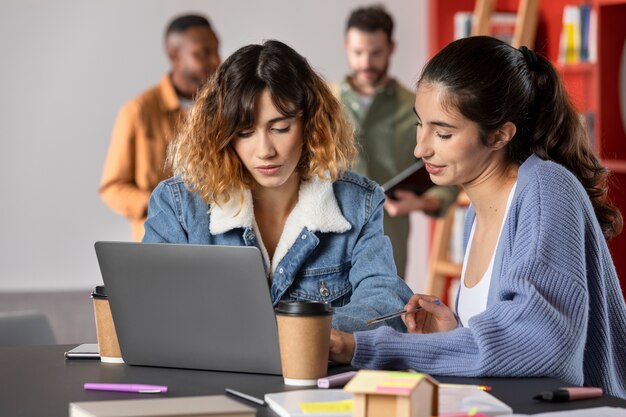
473 301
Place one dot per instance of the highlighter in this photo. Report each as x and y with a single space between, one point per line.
570 394
335 381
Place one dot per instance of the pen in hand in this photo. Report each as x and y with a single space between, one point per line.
392 315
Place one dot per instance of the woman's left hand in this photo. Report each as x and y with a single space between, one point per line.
341 346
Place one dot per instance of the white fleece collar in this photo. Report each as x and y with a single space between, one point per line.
317 210
232 214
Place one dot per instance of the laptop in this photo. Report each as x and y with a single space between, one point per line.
191 306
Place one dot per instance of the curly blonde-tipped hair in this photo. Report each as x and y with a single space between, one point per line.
202 153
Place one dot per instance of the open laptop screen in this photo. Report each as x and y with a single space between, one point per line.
191 306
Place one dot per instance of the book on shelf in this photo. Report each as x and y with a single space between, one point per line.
569 47
202 406
578 34
585 22
592 37
502 25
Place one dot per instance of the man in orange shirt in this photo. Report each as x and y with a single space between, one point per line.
146 124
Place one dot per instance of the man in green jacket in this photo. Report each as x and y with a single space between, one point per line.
381 111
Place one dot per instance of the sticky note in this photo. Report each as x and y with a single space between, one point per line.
344 406
376 381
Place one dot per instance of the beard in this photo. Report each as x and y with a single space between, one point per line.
372 77
196 79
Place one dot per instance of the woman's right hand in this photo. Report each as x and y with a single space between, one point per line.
434 316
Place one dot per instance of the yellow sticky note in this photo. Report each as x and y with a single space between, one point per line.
413 376
369 381
344 406
397 383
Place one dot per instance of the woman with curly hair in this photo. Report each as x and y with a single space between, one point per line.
263 161
539 295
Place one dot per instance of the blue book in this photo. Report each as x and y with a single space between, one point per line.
585 19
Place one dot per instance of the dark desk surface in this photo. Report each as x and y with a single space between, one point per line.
39 381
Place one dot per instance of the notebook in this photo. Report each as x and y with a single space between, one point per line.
191 306
311 403
208 405
414 178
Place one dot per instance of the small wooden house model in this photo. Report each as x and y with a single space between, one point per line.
391 393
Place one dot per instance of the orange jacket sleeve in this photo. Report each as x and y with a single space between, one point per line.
118 187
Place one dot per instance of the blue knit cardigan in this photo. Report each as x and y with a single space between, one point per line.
554 308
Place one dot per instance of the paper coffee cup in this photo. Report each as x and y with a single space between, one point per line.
304 338
105 328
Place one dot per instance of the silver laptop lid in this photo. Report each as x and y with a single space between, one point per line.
191 306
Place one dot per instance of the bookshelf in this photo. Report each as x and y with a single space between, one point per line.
594 87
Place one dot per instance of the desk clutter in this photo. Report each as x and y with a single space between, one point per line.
60 382
388 393
367 394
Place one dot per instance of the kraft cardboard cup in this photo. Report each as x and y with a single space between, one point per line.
105 328
304 338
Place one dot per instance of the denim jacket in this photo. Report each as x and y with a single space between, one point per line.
332 248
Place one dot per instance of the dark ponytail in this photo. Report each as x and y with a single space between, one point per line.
559 135
490 83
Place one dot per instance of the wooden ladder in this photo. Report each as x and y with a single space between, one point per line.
441 268
525 23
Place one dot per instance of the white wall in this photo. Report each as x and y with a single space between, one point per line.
66 68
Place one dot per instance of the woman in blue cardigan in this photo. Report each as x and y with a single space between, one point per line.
263 161
539 295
